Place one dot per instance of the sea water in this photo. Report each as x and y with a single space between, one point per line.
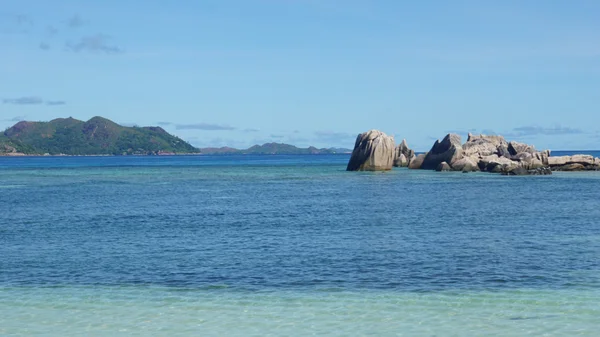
293 246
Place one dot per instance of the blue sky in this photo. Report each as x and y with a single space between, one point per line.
309 72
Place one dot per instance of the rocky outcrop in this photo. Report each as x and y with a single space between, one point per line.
487 154
495 154
494 163
573 167
543 156
564 160
401 160
403 155
502 151
577 162
528 161
417 161
484 153
443 167
373 151
448 150
466 164
483 145
494 139
521 171
515 148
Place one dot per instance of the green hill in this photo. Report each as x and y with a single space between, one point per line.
98 136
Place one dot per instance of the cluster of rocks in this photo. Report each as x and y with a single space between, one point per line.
485 153
403 155
375 151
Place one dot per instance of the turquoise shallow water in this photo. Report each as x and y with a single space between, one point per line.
126 311
293 245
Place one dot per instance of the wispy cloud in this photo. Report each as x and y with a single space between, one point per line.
216 142
462 131
15 119
164 123
299 141
51 31
15 23
488 132
44 46
204 126
75 21
22 19
277 136
330 136
27 100
31 100
537 130
98 43
251 130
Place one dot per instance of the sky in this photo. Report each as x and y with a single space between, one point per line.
309 72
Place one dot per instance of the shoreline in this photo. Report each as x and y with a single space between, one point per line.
24 155
21 155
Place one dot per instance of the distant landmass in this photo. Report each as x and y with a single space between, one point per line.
101 136
98 136
273 148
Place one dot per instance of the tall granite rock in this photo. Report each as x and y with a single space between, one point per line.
403 155
449 150
373 151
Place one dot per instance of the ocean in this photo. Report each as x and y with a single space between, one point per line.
293 246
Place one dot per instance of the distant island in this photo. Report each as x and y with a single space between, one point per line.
98 136
101 136
273 148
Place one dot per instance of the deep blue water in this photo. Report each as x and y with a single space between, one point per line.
596 154
291 222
